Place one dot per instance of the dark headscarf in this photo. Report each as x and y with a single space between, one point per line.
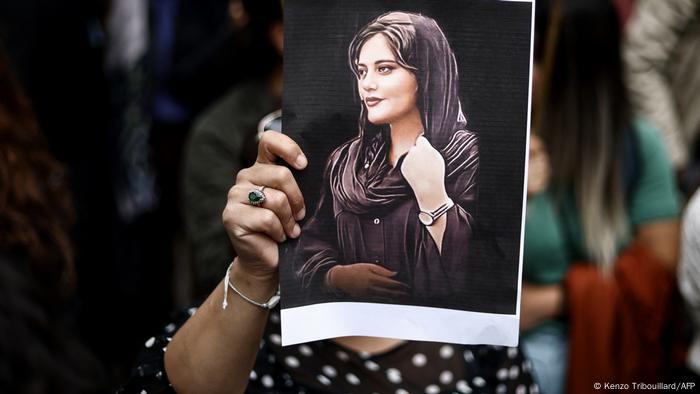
361 178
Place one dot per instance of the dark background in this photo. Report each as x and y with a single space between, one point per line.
491 41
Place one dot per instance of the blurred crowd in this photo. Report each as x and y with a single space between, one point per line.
123 124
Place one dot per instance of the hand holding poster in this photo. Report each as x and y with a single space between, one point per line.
415 124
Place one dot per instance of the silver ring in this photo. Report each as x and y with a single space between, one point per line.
257 196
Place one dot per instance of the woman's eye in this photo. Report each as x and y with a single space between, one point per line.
384 69
361 73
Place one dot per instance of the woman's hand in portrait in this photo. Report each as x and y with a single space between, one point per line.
255 231
366 280
424 169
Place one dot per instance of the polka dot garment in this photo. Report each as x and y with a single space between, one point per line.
326 367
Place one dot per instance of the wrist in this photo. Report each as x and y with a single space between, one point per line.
431 201
259 285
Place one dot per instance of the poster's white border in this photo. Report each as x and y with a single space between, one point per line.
338 319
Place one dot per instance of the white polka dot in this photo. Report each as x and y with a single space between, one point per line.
521 389
164 349
324 380
534 389
527 366
512 352
306 351
468 356
463 387
271 359
275 318
432 389
514 372
419 360
150 342
342 356
276 339
479 381
364 355
446 377
394 375
262 343
501 389
502 374
401 391
371 365
192 311
446 351
170 328
267 381
292 361
253 375
352 379
168 339
329 371
144 392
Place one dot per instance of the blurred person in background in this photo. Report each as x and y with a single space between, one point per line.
689 280
662 58
603 192
223 140
39 347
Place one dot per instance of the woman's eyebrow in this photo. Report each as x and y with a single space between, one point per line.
377 62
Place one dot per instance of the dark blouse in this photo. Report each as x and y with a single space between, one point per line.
325 367
387 231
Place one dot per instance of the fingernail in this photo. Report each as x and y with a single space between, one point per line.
301 161
301 214
296 230
284 238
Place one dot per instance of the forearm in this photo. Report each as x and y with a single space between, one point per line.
215 350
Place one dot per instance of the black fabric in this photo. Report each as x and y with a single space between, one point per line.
325 367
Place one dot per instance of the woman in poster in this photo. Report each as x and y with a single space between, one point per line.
394 220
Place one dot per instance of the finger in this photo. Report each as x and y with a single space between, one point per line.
383 292
242 220
390 283
276 177
277 202
274 145
379 270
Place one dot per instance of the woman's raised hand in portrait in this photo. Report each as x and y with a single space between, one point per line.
255 231
424 169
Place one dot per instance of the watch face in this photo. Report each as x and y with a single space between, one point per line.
425 218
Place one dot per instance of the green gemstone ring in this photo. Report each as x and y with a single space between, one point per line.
256 197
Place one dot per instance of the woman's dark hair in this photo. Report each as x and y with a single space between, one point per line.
36 211
420 46
584 116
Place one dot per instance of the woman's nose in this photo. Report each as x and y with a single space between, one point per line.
368 83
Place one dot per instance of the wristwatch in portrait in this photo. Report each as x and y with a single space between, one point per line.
429 218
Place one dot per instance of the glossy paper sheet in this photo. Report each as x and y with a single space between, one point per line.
414 116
